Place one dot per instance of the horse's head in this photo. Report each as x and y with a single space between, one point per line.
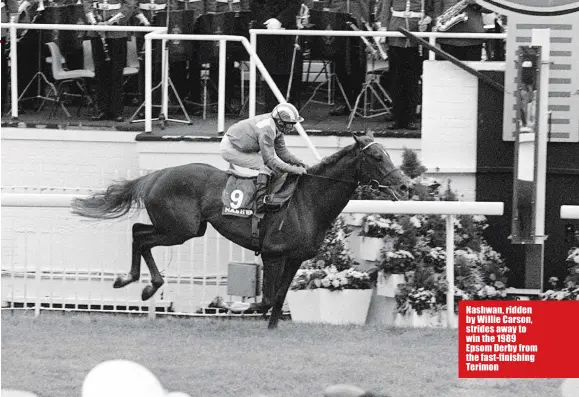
376 167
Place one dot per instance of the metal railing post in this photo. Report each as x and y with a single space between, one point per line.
148 85
14 72
432 55
221 96
252 76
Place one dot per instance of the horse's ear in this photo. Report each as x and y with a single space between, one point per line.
369 133
358 136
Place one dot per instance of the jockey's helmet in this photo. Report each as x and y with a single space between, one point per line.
286 116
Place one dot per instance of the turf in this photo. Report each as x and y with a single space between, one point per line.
50 355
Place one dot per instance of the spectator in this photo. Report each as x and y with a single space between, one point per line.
276 52
9 13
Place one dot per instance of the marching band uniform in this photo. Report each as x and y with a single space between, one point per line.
352 72
9 11
463 49
404 60
276 52
109 74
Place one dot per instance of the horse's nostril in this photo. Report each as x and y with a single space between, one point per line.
403 188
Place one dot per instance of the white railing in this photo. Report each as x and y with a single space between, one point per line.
255 63
570 212
53 260
450 209
431 36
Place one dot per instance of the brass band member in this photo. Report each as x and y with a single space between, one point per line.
9 11
145 14
276 52
404 59
463 20
351 67
109 50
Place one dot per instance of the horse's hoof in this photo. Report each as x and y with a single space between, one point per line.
122 281
148 291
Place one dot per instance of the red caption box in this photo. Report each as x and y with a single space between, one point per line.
518 339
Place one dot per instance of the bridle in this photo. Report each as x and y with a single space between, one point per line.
373 182
370 182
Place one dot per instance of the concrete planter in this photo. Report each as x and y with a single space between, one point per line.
425 320
370 248
321 305
387 284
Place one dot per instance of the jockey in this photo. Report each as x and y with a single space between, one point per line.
258 143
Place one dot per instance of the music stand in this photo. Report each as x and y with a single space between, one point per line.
221 23
372 91
165 96
39 76
322 19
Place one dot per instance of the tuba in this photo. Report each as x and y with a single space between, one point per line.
453 16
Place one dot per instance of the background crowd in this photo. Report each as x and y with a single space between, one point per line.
194 65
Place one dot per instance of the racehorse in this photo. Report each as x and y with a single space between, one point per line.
181 200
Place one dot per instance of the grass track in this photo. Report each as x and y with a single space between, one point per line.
52 354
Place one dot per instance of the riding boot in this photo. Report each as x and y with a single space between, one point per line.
261 192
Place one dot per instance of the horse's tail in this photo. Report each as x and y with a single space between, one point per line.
112 203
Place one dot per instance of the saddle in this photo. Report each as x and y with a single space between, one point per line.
239 196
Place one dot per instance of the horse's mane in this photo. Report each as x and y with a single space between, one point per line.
331 160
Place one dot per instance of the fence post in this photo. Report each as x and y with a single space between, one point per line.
221 88
450 269
252 76
13 72
431 54
148 85
37 274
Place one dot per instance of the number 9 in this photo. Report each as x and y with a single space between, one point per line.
236 198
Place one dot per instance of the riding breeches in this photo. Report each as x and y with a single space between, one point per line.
252 160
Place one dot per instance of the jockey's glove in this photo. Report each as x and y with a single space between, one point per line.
301 171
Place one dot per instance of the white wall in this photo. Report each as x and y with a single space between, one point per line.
449 123
66 158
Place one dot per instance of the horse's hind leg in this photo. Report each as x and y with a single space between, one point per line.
135 273
153 239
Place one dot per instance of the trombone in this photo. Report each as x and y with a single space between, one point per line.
375 49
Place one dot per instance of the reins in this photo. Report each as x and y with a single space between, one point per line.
373 182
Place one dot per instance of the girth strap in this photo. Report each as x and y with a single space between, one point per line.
255 223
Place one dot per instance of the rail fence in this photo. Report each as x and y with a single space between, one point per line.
160 33
54 260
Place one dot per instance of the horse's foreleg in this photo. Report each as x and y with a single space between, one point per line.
139 230
290 269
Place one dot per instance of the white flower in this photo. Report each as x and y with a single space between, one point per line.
415 222
326 283
318 283
479 218
336 283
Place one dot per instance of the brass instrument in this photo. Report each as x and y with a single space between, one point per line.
101 34
25 9
381 50
369 45
453 16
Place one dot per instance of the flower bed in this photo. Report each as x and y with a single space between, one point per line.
418 252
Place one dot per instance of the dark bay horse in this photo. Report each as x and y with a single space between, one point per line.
181 200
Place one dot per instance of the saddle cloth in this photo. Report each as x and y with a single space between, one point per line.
239 193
